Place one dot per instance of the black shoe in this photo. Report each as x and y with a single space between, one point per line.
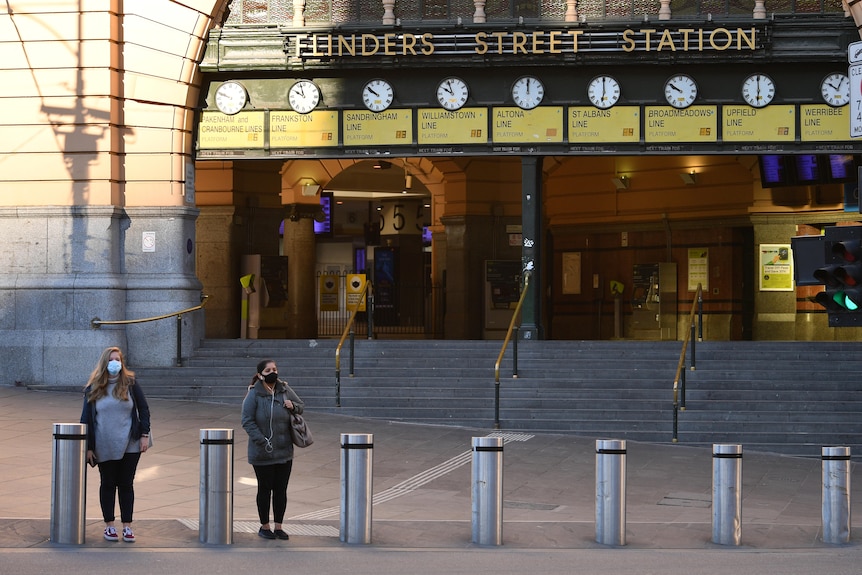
265 533
281 534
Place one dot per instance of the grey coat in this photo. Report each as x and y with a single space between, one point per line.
267 423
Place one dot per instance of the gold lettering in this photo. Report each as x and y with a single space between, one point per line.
300 43
389 44
700 40
481 45
537 43
666 41
628 41
329 44
365 50
685 32
314 50
347 44
427 44
727 34
553 42
749 40
500 36
574 34
518 41
646 32
409 45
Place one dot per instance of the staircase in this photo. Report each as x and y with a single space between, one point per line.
767 396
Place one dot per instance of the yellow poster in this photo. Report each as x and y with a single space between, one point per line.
389 128
517 126
354 291
693 124
823 123
589 125
329 292
464 126
312 130
769 124
220 131
776 267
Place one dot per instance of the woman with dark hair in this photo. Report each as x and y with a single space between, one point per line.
118 431
266 418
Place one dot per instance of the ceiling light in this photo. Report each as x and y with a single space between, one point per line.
690 178
621 182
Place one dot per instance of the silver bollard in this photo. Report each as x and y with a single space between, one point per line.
611 492
487 490
357 462
69 483
215 523
836 494
726 494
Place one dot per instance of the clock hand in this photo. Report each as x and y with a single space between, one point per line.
833 86
674 87
373 92
449 87
604 90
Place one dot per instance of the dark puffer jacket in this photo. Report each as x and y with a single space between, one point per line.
267 423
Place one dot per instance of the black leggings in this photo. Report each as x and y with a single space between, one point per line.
272 486
118 478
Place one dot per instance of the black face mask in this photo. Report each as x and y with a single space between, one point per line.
271 377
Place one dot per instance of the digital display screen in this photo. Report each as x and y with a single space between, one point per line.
323 226
807 169
842 168
773 171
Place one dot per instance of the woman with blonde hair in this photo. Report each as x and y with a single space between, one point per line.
118 431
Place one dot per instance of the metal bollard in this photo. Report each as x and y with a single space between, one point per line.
215 523
487 490
611 492
836 494
357 461
726 494
69 483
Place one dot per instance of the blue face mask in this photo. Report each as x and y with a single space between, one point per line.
114 367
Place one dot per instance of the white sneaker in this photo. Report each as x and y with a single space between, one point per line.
128 536
111 534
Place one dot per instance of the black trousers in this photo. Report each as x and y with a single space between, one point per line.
272 488
118 478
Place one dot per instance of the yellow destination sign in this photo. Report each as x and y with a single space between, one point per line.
389 128
693 124
312 130
589 125
823 123
464 126
769 124
516 126
219 131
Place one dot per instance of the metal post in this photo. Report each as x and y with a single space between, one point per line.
836 494
611 492
179 340
487 490
352 347
370 314
693 341
726 494
216 490
515 352
700 315
68 483
357 461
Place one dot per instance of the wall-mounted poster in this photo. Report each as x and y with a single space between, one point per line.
776 267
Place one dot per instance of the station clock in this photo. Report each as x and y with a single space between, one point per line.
603 91
835 89
377 95
230 98
680 91
528 92
758 90
303 96
452 93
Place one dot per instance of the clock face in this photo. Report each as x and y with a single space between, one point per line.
603 92
377 95
452 93
528 92
230 98
835 89
303 96
680 91
758 90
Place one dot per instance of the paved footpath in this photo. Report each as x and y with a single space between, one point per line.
422 488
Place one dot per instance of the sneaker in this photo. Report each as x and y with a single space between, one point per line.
266 533
281 534
128 536
111 534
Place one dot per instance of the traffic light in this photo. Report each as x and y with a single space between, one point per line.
837 261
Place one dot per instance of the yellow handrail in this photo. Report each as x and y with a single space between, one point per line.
503 351
96 322
679 390
344 334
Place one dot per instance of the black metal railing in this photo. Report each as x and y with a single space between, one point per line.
695 321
